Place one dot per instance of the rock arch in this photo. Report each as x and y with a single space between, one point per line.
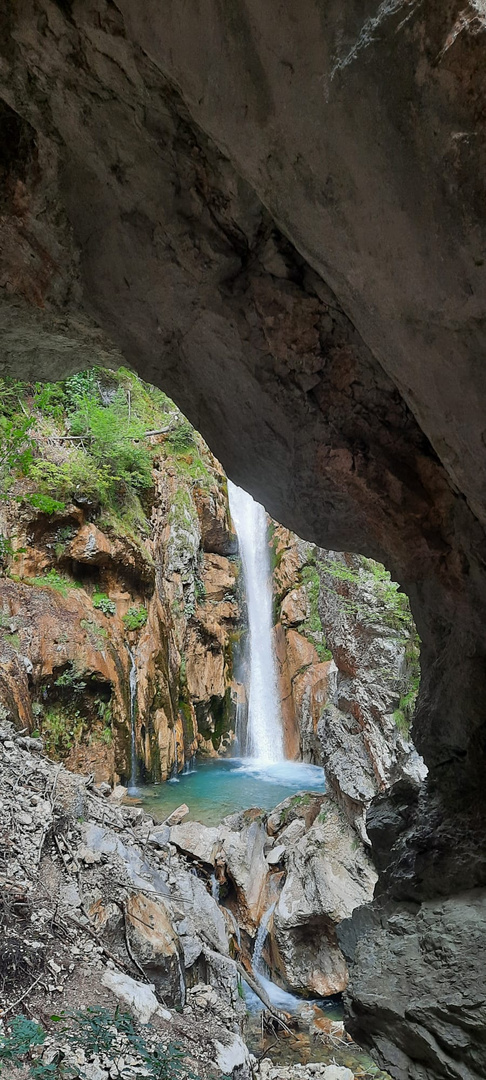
280 221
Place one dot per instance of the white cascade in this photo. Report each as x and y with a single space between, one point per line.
133 716
175 767
260 940
264 728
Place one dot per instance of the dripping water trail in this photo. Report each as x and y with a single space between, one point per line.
133 711
260 940
133 716
175 768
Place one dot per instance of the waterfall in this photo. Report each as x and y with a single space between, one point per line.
264 727
175 768
260 940
215 888
133 716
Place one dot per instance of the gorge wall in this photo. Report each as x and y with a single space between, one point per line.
348 655
100 581
281 222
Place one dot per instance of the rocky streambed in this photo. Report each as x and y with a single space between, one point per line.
102 909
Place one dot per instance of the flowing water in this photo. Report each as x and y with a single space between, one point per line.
260 940
132 787
264 738
221 786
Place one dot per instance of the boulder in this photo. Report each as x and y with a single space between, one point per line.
139 996
196 840
247 867
156 946
328 874
201 915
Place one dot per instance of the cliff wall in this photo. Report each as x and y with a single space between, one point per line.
118 602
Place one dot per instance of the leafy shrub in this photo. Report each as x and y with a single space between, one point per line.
109 433
61 727
75 477
49 399
45 503
103 603
135 618
182 438
16 450
97 1032
72 679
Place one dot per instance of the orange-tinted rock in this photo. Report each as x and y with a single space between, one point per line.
205 669
219 576
217 533
90 545
295 607
290 726
301 653
310 691
291 554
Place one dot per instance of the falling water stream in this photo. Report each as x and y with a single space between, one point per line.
133 714
264 728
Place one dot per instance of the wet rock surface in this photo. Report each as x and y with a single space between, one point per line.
304 869
103 918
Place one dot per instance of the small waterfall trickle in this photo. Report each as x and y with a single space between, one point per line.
260 940
215 888
264 738
133 717
175 768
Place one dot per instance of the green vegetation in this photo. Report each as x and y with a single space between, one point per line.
390 606
403 715
60 730
135 618
54 580
72 679
96 450
96 1031
97 634
312 627
103 603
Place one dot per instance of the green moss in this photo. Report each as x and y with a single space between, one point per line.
311 628
296 802
403 715
52 579
97 634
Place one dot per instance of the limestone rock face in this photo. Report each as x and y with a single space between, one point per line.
303 868
328 874
156 945
69 649
418 974
350 713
